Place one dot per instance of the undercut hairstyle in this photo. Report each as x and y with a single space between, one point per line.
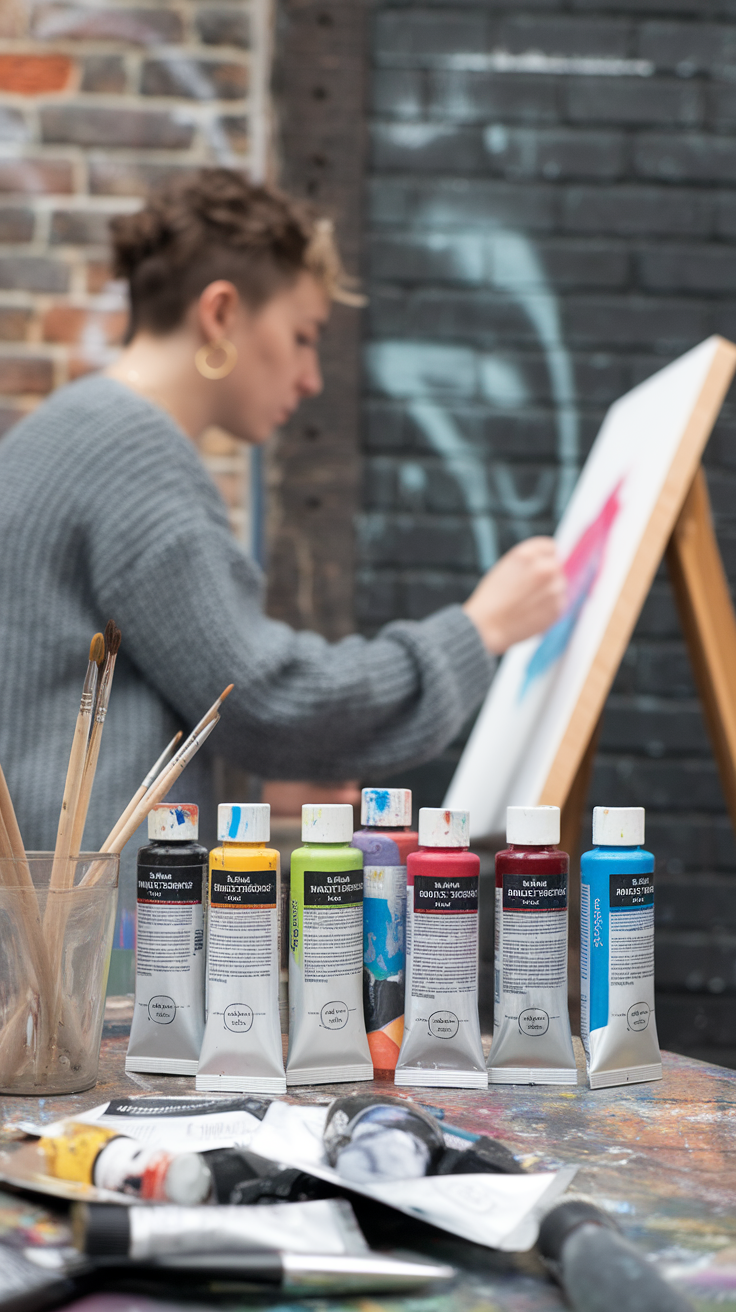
216 224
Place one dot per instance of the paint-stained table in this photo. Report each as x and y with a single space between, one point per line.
661 1157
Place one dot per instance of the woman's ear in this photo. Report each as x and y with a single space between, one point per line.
217 309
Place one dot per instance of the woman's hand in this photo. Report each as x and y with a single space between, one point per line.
522 595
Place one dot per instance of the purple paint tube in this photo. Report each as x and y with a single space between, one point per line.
386 840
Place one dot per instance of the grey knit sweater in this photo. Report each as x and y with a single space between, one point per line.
106 510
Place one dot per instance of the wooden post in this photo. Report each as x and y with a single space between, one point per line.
709 625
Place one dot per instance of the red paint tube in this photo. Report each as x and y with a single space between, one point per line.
442 1044
531 1028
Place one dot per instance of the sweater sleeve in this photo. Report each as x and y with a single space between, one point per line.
189 603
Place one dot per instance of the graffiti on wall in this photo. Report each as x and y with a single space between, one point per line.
429 376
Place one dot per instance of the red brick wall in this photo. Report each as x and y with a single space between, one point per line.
99 101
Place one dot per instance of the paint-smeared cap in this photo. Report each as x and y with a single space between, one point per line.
533 826
385 808
618 826
329 823
246 822
172 823
439 828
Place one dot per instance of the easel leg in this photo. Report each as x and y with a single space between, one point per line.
708 623
570 841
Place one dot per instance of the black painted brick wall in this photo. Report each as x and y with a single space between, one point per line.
622 180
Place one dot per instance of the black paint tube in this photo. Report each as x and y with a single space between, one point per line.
598 1269
241 1179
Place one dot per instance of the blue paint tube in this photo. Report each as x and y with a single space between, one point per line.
617 1022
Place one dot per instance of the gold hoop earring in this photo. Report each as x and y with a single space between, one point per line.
208 370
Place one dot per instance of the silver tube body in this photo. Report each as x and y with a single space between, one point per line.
617 1020
327 1039
241 1050
326 1226
442 1045
532 1043
168 1015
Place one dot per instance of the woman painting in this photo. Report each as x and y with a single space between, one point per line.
106 510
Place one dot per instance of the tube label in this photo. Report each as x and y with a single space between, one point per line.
168 1016
617 973
384 961
442 1043
242 1042
326 1023
531 1030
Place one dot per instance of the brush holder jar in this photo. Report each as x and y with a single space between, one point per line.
55 941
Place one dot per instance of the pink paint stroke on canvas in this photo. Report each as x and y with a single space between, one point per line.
582 569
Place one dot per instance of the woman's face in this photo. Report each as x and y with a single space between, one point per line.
278 360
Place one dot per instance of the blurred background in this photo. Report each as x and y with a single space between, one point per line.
540 200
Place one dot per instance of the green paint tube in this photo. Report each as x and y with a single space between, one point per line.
327 1038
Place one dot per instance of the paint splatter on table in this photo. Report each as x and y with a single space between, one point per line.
661 1157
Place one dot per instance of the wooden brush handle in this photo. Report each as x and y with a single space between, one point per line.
85 789
60 867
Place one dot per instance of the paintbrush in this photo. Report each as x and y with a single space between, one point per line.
152 775
61 875
210 717
121 832
155 794
106 662
162 785
14 867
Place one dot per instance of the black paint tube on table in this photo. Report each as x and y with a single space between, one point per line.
599 1270
168 1015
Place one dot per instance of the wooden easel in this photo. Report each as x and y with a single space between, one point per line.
708 623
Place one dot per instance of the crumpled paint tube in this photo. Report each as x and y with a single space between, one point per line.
386 839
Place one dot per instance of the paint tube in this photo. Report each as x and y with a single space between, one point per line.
617 1021
385 840
496 1210
93 1155
150 1233
327 1038
442 1044
242 1048
532 1043
168 1015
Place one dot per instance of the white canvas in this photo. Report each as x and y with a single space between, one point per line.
520 727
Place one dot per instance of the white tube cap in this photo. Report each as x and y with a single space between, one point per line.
533 826
618 826
247 822
328 823
385 808
169 823
440 828
188 1180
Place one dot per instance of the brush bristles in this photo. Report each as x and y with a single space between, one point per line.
114 645
227 692
109 631
97 649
